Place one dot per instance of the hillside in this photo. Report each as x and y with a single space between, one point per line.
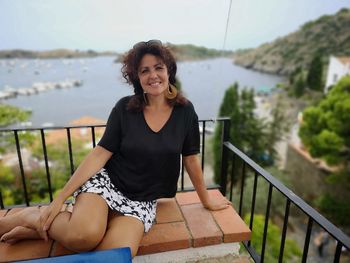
192 52
182 52
329 34
56 53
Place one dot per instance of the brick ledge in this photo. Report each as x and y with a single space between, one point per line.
181 223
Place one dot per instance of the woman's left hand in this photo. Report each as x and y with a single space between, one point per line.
217 204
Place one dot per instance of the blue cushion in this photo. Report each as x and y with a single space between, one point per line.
112 255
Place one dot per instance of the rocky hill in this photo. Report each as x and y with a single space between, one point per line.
329 34
192 52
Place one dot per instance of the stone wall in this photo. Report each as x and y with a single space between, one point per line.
307 174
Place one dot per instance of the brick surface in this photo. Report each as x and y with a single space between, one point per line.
189 198
168 211
165 237
231 225
202 226
182 222
26 249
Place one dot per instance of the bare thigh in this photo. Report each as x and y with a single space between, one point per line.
85 227
122 231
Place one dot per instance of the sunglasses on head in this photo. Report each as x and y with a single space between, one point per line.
153 42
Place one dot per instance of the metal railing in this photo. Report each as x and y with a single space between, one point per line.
42 132
342 240
226 185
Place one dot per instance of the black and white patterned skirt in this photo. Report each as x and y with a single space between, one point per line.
101 184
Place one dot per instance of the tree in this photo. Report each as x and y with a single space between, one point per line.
229 108
292 251
315 74
11 114
246 130
325 133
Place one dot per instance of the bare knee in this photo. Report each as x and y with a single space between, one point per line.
84 239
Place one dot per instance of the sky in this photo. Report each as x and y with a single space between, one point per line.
116 25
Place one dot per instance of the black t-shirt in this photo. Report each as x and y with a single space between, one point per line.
145 165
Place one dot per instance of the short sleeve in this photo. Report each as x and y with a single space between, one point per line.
192 138
113 132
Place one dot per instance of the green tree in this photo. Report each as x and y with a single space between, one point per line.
315 74
292 252
325 133
246 130
11 114
229 108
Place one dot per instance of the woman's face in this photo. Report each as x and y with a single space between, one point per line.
153 75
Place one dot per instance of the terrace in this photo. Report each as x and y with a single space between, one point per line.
184 231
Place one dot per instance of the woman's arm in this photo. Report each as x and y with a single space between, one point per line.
91 164
193 168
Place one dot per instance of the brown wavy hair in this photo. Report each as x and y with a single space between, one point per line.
131 63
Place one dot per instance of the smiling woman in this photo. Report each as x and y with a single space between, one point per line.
151 68
136 162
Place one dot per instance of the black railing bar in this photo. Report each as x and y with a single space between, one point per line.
225 136
48 177
51 128
337 252
70 151
1 201
242 190
93 137
203 144
296 200
218 119
232 175
34 204
252 252
191 188
266 225
37 128
182 174
307 239
284 231
18 148
251 221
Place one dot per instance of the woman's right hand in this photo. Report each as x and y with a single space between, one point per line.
48 215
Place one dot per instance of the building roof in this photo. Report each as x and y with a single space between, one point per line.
76 133
344 60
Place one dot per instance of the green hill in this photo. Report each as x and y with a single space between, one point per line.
182 52
329 34
56 53
192 52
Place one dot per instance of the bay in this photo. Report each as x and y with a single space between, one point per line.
203 82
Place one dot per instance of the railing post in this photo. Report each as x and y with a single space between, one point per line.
1 201
225 136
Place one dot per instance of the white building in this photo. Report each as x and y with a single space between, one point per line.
338 68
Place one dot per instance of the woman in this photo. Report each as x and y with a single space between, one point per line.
136 162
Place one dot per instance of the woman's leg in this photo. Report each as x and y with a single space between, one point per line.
122 231
27 217
80 230
84 228
20 233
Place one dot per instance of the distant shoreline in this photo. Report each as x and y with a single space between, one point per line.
182 53
56 53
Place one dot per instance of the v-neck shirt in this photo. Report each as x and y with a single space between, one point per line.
145 164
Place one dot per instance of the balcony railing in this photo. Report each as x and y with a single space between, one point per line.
229 175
